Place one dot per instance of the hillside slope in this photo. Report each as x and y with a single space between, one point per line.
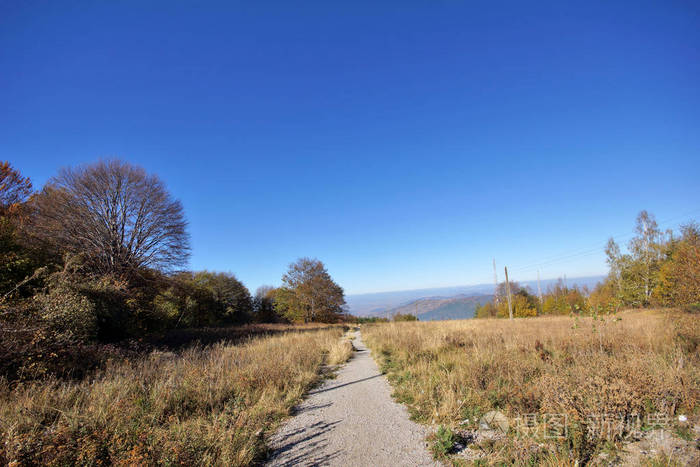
441 308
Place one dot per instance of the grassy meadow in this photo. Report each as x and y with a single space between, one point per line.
634 366
209 405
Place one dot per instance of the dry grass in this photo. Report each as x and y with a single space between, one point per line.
179 338
211 405
634 363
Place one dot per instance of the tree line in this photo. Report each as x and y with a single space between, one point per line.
659 268
559 299
98 255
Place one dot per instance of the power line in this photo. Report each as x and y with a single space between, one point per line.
590 251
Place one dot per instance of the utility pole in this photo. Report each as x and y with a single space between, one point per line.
646 259
510 305
539 289
495 283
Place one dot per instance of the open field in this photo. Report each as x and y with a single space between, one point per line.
205 405
635 370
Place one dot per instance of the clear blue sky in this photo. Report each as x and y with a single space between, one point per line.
405 144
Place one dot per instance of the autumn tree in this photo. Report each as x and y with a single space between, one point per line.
612 253
523 302
487 310
679 276
558 300
264 305
14 189
604 297
203 299
625 276
634 275
16 261
646 249
234 303
116 215
308 293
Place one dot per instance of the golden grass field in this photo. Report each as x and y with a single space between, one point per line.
641 364
211 405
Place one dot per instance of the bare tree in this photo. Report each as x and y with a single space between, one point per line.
114 213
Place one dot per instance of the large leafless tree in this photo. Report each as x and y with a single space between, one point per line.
114 213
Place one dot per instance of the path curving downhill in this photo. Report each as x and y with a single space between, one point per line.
351 421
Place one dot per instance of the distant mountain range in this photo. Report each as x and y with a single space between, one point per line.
441 308
441 303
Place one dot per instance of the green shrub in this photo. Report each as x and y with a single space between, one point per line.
405 317
443 442
68 314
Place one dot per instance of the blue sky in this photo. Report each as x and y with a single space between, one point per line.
405 144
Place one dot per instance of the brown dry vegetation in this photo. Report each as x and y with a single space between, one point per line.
632 363
211 405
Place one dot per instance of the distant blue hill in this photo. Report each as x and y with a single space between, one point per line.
439 308
387 303
460 308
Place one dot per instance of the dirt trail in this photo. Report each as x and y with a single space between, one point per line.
351 421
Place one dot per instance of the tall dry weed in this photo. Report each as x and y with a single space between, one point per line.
210 405
634 364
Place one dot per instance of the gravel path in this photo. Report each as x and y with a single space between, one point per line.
351 421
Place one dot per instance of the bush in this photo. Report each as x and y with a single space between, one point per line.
443 442
487 310
32 348
405 317
69 315
679 275
202 299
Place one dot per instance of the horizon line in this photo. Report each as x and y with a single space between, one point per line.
471 285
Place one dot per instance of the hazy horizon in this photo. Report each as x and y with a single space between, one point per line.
363 304
485 284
